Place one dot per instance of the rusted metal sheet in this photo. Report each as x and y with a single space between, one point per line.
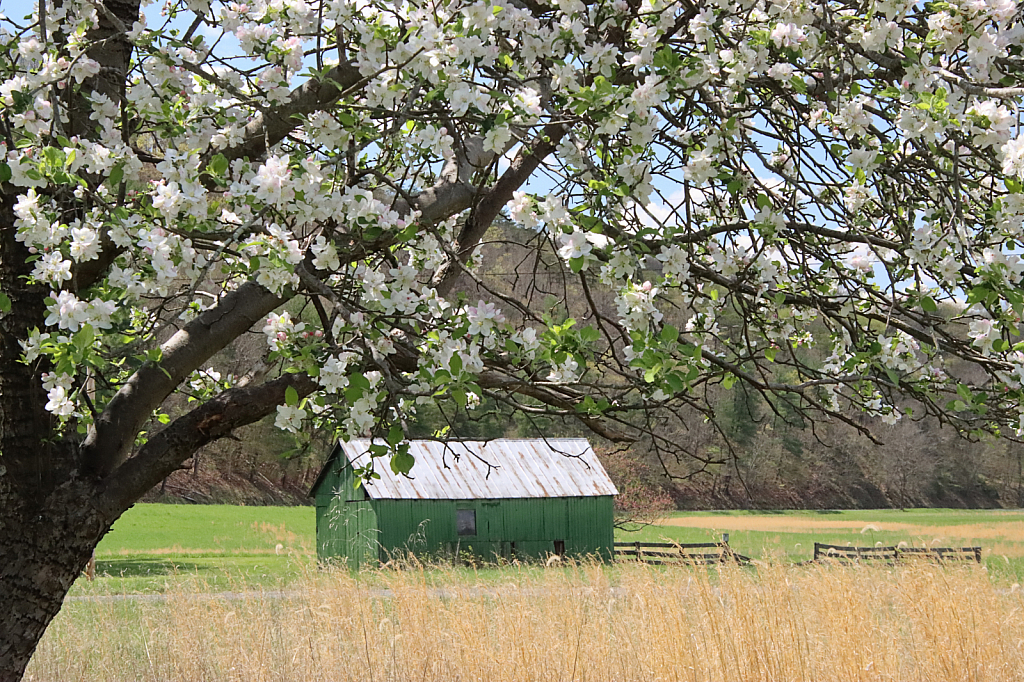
497 469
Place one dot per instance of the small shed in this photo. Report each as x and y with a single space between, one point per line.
492 499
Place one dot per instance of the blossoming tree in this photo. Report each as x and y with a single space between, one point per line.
842 175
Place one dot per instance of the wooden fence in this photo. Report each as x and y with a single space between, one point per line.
700 553
895 554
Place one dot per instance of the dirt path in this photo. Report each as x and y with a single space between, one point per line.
1009 530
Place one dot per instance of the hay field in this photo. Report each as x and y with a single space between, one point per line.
773 622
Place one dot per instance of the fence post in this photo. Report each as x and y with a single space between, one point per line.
815 551
638 552
977 554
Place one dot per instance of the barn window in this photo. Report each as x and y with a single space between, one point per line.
465 521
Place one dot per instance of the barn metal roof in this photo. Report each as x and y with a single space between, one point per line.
496 469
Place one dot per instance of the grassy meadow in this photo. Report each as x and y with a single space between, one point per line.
790 535
154 545
210 593
223 544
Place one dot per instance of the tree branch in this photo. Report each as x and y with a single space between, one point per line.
214 419
271 126
113 434
487 209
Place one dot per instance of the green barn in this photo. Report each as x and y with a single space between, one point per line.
494 499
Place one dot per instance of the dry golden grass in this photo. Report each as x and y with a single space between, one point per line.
917 623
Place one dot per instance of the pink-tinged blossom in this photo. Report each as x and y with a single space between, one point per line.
52 268
68 312
85 68
279 328
984 332
788 35
636 305
273 180
85 244
781 71
522 210
483 317
166 198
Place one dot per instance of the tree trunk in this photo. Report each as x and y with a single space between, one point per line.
44 551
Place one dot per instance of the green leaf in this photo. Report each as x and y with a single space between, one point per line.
395 434
218 164
402 462
928 304
291 396
5 303
669 334
576 264
5 172
763 201
116 175
85 336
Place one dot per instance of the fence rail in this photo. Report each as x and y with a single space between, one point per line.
658 553
895 554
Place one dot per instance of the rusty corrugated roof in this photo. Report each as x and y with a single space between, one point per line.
496 469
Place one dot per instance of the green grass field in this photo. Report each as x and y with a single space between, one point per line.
153 545
221 544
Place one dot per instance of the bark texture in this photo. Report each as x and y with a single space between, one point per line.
45 549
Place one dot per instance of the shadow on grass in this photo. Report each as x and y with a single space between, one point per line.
130 568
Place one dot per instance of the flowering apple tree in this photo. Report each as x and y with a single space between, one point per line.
727 191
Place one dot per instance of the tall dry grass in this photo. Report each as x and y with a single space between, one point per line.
914 623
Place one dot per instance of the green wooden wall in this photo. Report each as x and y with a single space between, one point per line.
351 527
346 521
